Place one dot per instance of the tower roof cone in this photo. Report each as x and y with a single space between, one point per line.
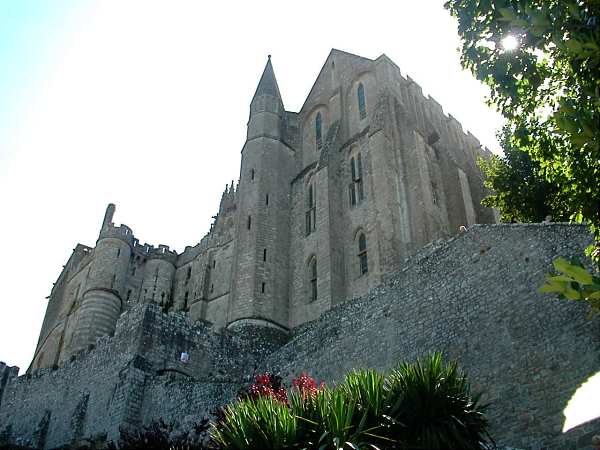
268 84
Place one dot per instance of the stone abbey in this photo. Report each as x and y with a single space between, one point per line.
329 201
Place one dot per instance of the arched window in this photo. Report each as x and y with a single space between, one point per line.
319 131
312 275
362 254
311 210
362 107
355 189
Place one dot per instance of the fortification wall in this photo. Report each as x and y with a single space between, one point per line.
474 298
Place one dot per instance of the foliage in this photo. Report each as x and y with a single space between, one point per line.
574 282
160 436
520 190
548 88
427 404
263 422
434 405
266 385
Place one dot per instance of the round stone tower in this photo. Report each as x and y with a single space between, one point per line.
158 276
102 300
260 271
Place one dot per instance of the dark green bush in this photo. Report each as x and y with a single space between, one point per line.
426 404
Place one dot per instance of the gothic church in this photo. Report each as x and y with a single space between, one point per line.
330 200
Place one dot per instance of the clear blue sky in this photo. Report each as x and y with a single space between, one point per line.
29 30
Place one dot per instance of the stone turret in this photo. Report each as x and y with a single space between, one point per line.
260 280
102 301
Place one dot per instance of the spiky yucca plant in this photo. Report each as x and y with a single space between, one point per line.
433 406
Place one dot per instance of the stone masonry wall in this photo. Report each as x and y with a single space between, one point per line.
475 299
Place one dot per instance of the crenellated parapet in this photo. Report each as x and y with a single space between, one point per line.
122 232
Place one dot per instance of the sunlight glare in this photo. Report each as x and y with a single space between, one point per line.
584 405
510 43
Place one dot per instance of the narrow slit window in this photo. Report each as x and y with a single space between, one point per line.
313 279
356 191
249 222
265 254
251 174
185 300
118 252
311 210
267 200
362 254
262 288
362 107
319 131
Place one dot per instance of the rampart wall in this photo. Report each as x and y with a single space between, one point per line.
474 298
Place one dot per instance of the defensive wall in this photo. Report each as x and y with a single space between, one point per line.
473 297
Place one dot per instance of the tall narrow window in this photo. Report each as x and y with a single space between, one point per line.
188 275
362 254
355 189
262 289
319 131
313 279
359 179
311 210
265 254
434 193
118 252
352 187
249 222
251 174
185 300
362 107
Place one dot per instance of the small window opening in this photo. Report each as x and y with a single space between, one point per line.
128 295
355 189
434 193
362 108
249 222
185 300
313 279
252 174
118 252
319 131
267 199
212 288
214 263
311 210
188 275
265 254
362 254
262 289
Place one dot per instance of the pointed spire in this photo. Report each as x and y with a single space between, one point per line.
267 84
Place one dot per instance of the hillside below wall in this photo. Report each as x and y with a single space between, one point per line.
474 298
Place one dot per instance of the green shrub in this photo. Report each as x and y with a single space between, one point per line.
433 407
426 404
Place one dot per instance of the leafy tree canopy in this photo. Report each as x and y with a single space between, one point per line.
547 86
520 191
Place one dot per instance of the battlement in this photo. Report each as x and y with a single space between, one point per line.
122 232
